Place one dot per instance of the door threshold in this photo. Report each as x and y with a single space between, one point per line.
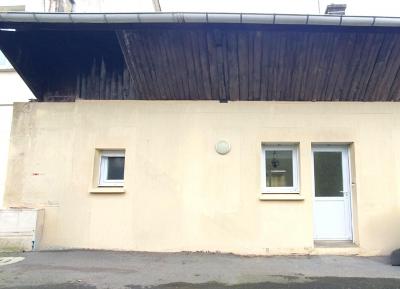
343 248
334 244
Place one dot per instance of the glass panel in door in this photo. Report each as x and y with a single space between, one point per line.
328 174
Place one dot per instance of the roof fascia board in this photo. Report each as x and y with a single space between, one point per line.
197 17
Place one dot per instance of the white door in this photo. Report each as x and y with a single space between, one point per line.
332 193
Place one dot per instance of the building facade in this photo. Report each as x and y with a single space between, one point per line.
229 137
180 194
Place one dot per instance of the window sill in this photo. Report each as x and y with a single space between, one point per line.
281 197
107 190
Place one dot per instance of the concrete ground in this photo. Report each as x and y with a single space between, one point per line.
81 269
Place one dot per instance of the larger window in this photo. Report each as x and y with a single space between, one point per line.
280 169
112 167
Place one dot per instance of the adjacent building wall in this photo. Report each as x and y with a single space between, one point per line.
29 6
12 88
183 196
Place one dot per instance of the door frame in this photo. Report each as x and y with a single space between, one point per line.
345 149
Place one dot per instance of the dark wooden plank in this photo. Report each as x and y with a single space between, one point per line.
129 87
119 89
128 48
222 74
160 65
393 77
370 59
278 68
177 74
174 85
299 64
257 64
180 65
269 63
307 73
318 71
186 66
287 55
357 80
339 50
205 66
82 93
136 63
96 79
195 50
232 65
103 80
288 63
145 48
213 64
190 66
383 89
349 44
140 62
226 67
355 60
243 54
298 42
381 67
264 66
395 87
250 61
111 88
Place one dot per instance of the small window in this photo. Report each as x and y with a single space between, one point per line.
112 167
280 169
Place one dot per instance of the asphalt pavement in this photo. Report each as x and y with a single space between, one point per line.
89 269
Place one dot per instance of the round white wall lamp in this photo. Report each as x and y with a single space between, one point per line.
222 147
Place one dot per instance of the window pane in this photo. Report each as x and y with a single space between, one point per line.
115 168
328 174
279 167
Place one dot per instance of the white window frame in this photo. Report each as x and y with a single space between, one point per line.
295 165
103 172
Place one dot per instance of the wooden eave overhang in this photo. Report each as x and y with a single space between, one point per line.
204 56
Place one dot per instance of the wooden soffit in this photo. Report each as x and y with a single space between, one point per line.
260 63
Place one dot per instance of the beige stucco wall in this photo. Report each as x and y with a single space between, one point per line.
180 194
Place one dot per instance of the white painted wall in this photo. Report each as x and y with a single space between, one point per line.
12 89
30 6
5 126
87 6
113 6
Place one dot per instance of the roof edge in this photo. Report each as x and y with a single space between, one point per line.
200 17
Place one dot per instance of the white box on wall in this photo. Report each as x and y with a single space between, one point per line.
21 229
